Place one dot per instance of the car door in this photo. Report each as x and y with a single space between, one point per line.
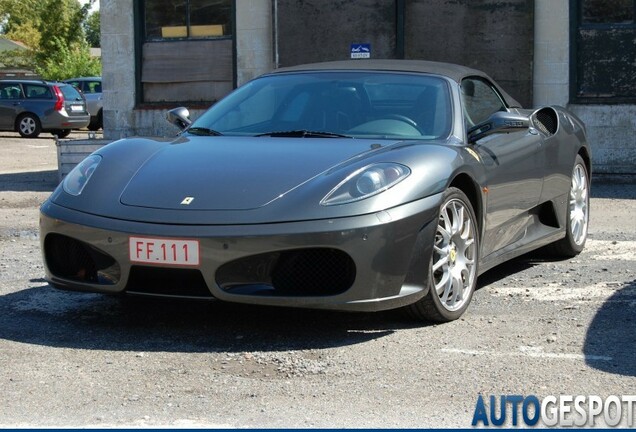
512 162
10 104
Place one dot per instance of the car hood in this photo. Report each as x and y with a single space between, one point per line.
229 173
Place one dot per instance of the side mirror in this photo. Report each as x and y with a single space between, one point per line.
180 117
498 122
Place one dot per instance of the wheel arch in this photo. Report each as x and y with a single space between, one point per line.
587 159
467 184
22 114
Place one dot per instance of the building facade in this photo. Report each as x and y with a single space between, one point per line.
158 54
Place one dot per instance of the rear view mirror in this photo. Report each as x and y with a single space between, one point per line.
498 122
180 117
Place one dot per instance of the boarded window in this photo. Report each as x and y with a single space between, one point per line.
603 51
187 19
186 51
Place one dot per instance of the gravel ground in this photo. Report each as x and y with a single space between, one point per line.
536 327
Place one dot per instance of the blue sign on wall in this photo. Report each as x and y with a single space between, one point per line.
360 51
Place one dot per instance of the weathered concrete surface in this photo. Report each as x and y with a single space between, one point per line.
611 132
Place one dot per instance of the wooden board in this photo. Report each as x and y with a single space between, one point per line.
187 61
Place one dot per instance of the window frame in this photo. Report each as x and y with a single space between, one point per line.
141 22
139 41
576 25
492 87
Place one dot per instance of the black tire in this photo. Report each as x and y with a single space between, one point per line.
96 123
461 257
578 214
28 126
61 133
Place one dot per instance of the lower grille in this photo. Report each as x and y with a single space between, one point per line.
74 260
167 282
303 272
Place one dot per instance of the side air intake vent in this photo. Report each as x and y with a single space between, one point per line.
546 121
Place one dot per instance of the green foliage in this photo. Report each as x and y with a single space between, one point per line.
17 58
16 13
26 32
67 62
54 30
92 28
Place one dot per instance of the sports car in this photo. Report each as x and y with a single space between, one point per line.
356 185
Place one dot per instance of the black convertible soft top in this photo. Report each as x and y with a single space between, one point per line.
453 71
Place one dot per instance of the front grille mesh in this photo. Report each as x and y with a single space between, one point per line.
303 272
313 272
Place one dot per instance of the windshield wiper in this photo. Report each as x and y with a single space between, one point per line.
303 133
203 131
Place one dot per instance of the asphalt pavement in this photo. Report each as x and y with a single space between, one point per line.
537 327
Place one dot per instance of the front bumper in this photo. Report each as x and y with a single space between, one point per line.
390 251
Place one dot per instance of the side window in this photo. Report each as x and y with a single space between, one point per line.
10 91
480 100
93 87
37 92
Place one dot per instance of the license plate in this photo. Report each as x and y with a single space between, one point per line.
77 108
162 251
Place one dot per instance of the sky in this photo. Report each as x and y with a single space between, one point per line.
95 5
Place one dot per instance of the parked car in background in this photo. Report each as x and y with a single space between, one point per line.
91 87
30 107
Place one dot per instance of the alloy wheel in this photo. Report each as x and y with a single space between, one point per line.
27 125
454 256
579 205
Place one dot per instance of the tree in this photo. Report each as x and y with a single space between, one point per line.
54 32
19 18
63 51
92 28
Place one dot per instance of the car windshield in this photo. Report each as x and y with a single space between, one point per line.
354 104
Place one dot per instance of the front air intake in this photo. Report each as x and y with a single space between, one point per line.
73 260
295 273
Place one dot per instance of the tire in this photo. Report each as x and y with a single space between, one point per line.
453 263
28 126
61 133
97 123
578 213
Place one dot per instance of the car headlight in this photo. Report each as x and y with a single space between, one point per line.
76 180
366 182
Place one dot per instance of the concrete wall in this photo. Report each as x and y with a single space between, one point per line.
490 35
611 128
118 67
121 119
611 131
551 83
254 39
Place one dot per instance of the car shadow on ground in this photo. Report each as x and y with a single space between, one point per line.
32 181
45 316
517 265
613 332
